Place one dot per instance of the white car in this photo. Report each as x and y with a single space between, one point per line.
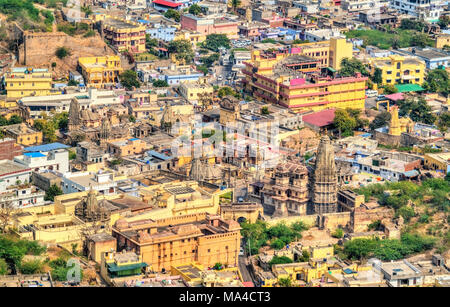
241 251
371 93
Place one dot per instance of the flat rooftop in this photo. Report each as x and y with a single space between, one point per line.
8 167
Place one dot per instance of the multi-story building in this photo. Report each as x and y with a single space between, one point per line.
12 173
210 25
100 71
23 134
433 58
429 10
163 243
26 81
37 106
397 69
353 6
127 147
291 80
196 92
54 157
288 190
124 35
9 149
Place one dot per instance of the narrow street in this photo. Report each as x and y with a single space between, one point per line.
244 270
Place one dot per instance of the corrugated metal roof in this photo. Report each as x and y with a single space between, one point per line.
46 147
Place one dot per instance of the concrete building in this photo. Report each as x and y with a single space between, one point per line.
433 58
23 134
428 10
401 274
12 173
9 149
100 71
397 69
124 35
61 103
122 148
196 92
210 25
291 80
27 81
163 243
54 157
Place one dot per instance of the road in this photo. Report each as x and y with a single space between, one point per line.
244 270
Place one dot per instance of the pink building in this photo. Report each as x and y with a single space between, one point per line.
208 26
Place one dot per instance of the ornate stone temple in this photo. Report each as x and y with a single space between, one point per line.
324 181
91 210
74 122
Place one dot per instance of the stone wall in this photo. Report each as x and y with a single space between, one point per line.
361 218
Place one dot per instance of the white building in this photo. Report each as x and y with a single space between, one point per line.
61 103
429 10
318 35
104 182
53 157
363 5
12 173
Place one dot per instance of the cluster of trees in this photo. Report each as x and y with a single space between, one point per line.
15 119
72 29
227 91
388 249
195 9
381 120
182 49
53 191
351 66
432 193
12 252
348 120
417 109
62 52
214 41
438 81
129 79
48 126
278 236
173 14
160 83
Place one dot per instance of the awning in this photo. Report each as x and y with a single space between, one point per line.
410 174
409 88
115 268
331 69
167 3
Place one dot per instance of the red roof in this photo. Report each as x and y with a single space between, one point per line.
167 3
395 96
321 118
248 284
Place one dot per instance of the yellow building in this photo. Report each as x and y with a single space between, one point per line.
193 37
124 35
330 53
438 161
195 274
442 40
98 71
293 81
23 134
22 81
397 69
196 92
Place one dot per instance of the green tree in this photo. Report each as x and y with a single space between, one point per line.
227 91
31 267
420 40
437 81
173 14
62 52
15 119
285 282
381 120
443 122
417 109
53 191
3 267
195 9
215 41
218 266
338 233
390 89
48 128
280 260
235 4
349 67
182 49
129 79
265 111
160 83
377 78
344 122
444 21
